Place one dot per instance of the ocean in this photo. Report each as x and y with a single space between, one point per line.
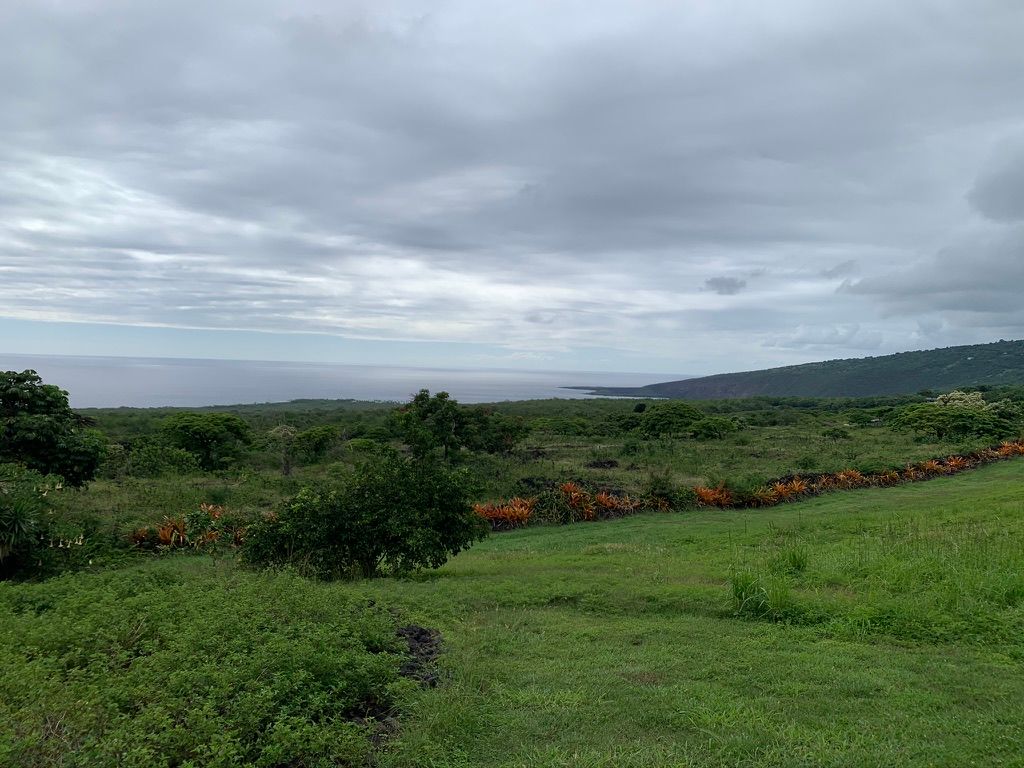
110 382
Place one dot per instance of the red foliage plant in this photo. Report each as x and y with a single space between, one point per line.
580 503
713 497
514 513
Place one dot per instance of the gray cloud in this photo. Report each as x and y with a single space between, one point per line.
725 286
542 176
998 192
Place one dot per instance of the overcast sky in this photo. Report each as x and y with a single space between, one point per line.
685 187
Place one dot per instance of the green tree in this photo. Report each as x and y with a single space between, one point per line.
670 418
282 437
39 430
213 438
428 423
960 414
393 514
313 444
484 429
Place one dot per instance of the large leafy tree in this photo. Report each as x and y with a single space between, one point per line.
213 438
959 415
432 423
39 430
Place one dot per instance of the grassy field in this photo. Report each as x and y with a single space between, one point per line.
617 644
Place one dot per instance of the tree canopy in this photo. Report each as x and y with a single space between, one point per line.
39 430
960 414
429 423
213 438
666 419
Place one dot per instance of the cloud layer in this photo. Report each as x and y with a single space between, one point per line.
717 185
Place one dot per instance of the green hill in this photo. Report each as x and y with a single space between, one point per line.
998 364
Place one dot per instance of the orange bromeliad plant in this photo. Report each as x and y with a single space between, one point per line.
889 477
215 511
514 513
713 497
764 497
171 532
850 478
578 500
608 505
957 464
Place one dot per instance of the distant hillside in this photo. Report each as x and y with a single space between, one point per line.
1000 363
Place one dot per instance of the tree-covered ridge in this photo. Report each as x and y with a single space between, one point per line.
978 365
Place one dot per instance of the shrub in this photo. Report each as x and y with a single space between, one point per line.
807 463
392 513
669 418
165 666
661 492
719 496
155 458
713 428
22 506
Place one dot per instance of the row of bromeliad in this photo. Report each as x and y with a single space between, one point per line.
570 502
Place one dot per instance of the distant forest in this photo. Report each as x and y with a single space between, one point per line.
936 370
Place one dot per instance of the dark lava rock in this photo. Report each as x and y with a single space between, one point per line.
425 645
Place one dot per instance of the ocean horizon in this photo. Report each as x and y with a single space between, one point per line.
149 382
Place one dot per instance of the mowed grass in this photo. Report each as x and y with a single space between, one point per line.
899 639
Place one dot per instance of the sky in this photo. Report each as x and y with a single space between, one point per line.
688 187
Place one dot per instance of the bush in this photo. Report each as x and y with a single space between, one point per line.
22 506
669 418
713 428
155 458
663 492
392 514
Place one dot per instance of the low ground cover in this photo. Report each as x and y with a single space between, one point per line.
184 661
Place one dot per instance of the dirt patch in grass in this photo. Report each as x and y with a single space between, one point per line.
425 645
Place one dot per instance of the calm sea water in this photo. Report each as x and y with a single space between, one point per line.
106 382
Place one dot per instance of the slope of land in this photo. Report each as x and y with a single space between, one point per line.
998 364
895 638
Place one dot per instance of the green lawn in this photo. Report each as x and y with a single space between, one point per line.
616 644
